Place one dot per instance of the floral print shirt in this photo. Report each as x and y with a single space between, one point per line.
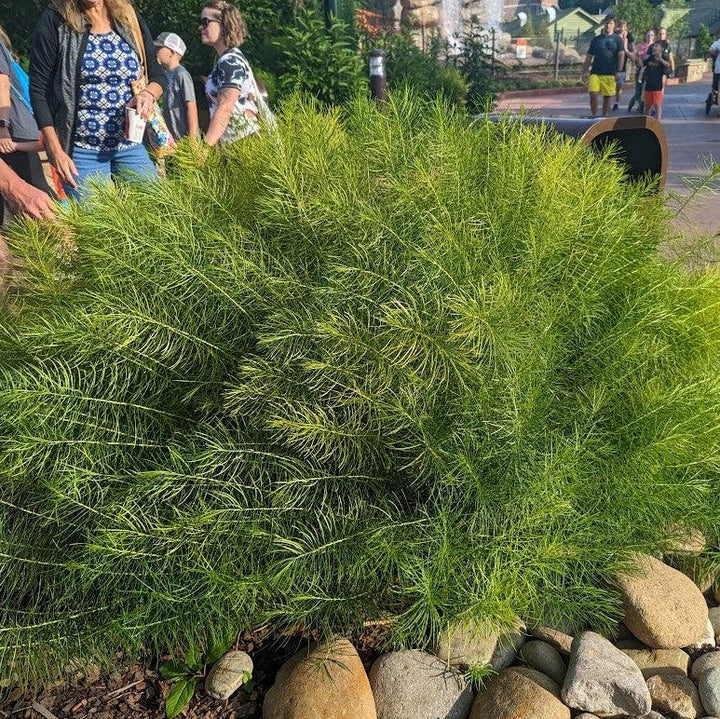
233 70
108 67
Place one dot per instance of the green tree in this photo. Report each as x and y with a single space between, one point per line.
640 15
703 42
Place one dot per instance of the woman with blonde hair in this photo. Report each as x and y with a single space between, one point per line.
85 55
230 88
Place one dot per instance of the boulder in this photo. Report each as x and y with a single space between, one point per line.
427 16
602 680
557 639
673 693
466 645
707 641
544 658
714 613
685 540
327 681
663 608
709 687
506 650
654 661
519 692
411 684
706 661
228 674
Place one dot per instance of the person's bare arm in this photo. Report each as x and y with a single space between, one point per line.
6 143
586 64
22 198
221 119
59 159
192 119
621 61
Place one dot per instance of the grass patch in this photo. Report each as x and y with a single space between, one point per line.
381 364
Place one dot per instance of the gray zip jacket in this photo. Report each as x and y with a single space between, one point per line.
55 60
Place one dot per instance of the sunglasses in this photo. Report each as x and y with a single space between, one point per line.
205 21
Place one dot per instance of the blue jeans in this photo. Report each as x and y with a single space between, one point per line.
132 162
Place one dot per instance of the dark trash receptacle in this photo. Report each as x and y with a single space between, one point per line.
640 141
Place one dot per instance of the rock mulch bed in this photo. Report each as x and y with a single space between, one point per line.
667 666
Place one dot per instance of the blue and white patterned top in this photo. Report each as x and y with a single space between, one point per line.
108 67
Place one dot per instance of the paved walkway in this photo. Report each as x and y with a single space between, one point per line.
693 139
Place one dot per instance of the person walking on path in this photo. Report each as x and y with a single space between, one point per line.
655 68
179 103
19 132
607 55
84 57
230 88
629 48
714 53
666 49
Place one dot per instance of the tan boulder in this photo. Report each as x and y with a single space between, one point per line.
519 692
324 682
663 608
674 694
466 645
657 661
427 16
685 540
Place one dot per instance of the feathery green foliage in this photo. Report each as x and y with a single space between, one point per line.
379 364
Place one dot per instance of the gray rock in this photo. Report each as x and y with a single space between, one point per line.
506 651
466 645
228 674
411 684
602 680
674 694
706 661
585 715
709 686
545 658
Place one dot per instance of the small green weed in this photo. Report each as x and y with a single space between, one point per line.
185 675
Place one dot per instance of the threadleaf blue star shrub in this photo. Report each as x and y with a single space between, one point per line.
380 365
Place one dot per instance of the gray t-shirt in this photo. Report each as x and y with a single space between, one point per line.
180 89
22 122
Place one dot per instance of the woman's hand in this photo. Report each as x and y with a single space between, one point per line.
144 103
6 142
65 167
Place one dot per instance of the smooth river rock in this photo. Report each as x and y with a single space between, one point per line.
655 661
327 681
544 658
706 661
709 687
674 694
228 674
663 608
603 680
411 684
519 692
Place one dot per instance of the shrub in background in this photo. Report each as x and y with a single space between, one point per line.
380 364
703 42
324 63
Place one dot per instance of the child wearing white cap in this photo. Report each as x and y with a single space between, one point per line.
179 102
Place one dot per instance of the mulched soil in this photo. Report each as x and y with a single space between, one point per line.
135 689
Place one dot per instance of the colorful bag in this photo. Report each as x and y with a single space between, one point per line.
157 136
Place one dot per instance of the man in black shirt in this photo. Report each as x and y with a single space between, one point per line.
607 55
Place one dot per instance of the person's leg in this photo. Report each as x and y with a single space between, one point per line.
91 165
658 109
593 104
606 105
133 163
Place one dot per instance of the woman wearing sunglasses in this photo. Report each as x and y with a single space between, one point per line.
230 88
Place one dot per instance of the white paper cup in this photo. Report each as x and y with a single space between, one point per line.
134 126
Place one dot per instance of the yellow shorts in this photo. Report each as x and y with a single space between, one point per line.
602 85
